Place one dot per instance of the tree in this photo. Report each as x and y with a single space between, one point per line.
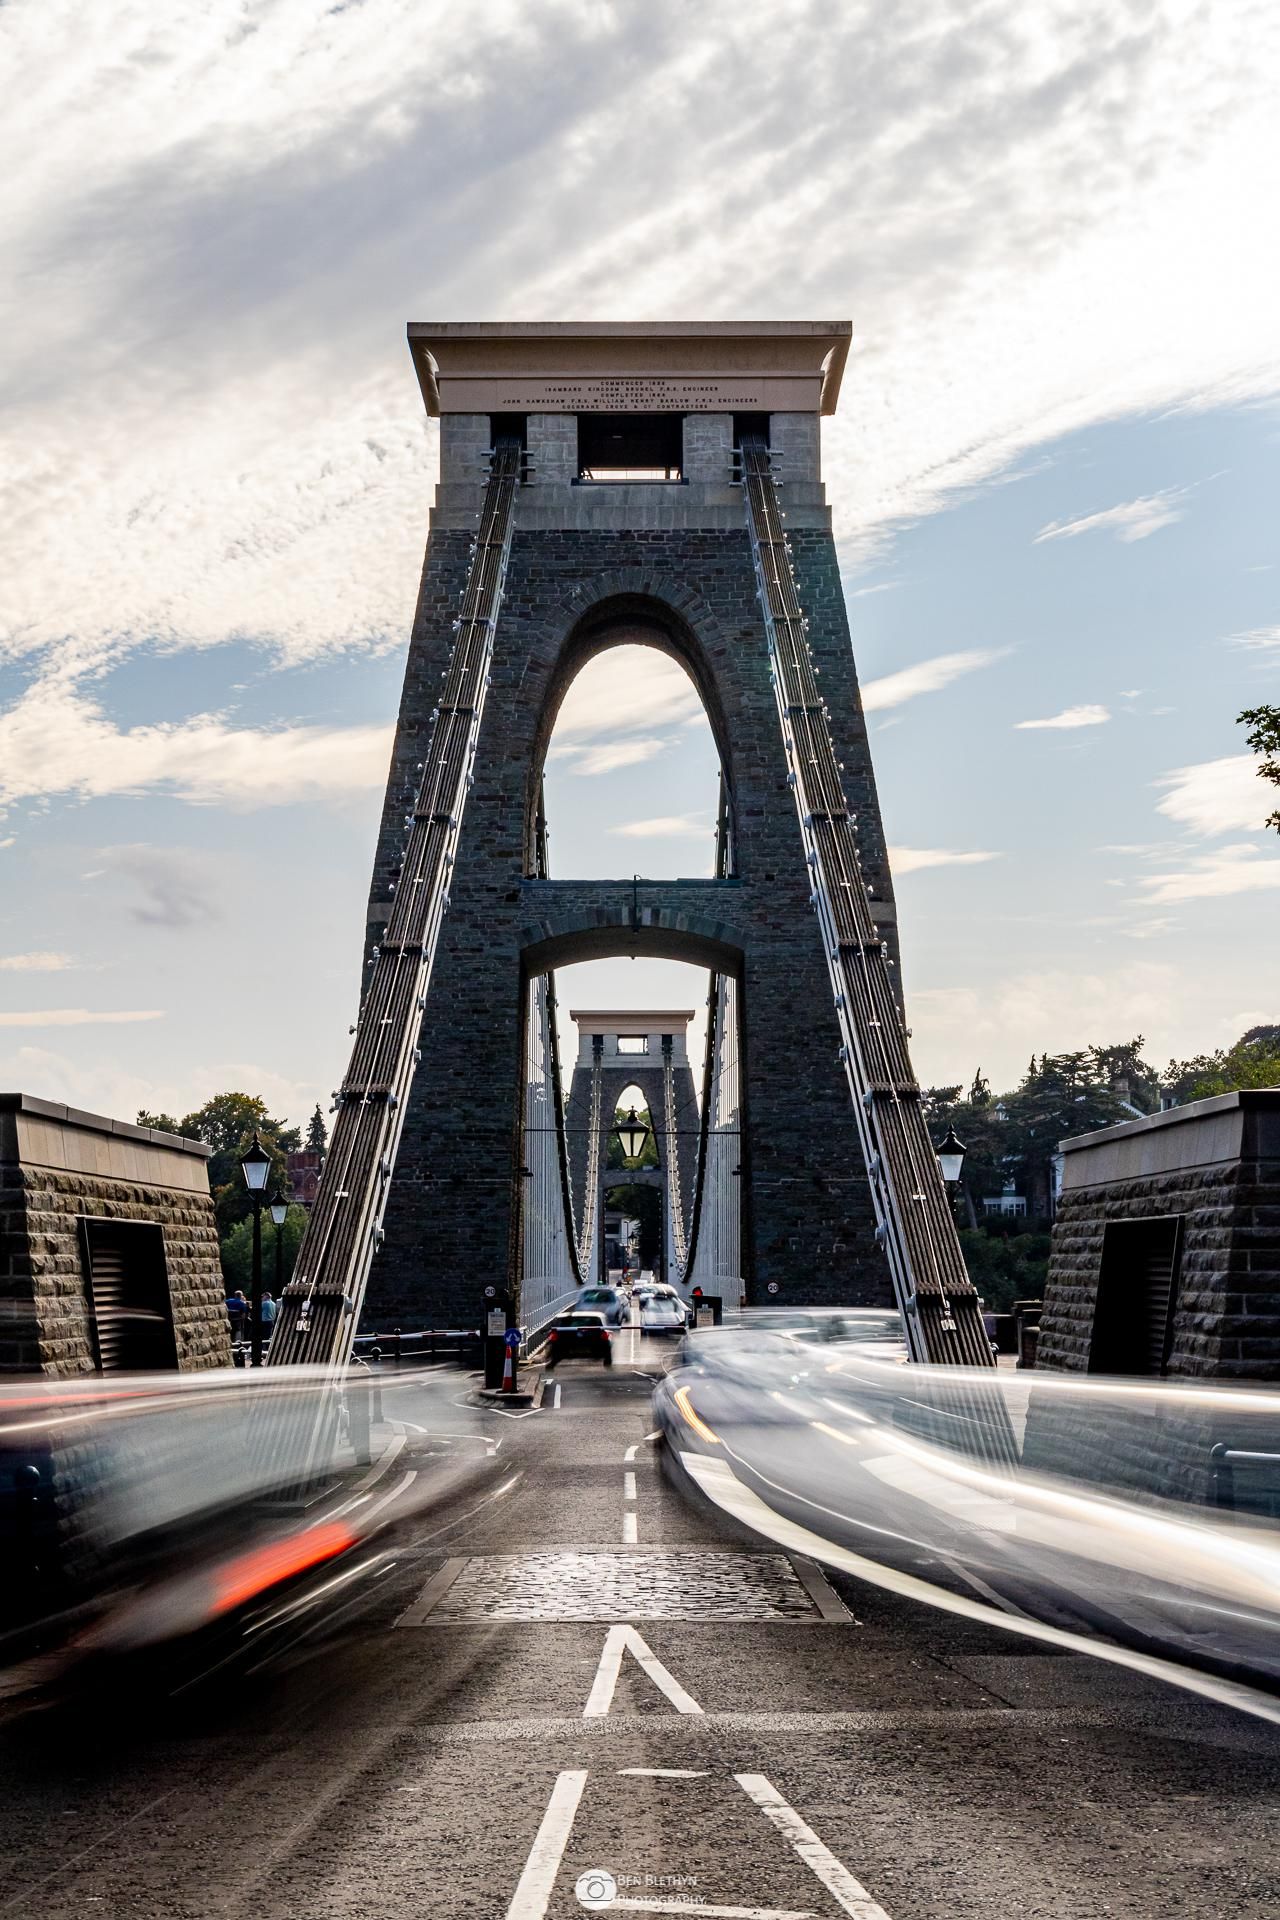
162 1123
1254 1061
317 1132
227 1124
1264 737
237 1250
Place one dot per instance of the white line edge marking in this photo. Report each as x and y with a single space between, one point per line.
628 1486
655 1435
631 1451
529 1901
835 1877
555 1398
620 1640
405 1481
630 1536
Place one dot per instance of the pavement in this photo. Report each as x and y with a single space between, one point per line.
577 1692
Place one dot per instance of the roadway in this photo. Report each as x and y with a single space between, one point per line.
578 1671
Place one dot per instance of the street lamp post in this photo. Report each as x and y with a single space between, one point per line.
950 1161
255 1166
279 1214
632 1136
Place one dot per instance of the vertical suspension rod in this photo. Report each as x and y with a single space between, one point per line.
935 1296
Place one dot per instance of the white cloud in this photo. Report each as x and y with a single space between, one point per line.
1231 869
35 962
863 593
75 1017
1070 717
57 740
912 859
926 676
1134 520
11 841
609 755
670 826
628 689
213 428
1216 796
1256 639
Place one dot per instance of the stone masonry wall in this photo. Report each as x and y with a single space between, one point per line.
47 1326
1227 1316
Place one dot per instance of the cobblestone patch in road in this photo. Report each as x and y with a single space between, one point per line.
652 1584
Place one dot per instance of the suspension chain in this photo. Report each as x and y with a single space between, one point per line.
321 1306
937 1300
676 1202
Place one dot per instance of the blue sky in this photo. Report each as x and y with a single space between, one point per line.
1053 474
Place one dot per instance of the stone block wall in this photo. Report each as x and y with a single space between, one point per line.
1226 1321
105 1170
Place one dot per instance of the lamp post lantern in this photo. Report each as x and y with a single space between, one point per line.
255 1166
950 1161
632 1136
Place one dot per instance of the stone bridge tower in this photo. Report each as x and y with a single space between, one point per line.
631 1048
628 527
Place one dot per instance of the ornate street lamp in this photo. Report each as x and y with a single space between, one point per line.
951 1157
255 1166
632 1135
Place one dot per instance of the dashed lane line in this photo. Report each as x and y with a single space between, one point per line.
628 1486
630 1537
630 1453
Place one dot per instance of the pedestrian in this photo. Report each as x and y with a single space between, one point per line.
237 1313
269 1311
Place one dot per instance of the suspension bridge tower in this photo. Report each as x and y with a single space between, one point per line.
601 484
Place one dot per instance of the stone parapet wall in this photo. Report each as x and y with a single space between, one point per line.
45 1316
1227 1316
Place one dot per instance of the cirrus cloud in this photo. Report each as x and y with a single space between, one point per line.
1069 718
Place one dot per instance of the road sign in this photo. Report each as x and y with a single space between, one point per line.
706 1317
514 1336
773 1286
491 1293
496 1323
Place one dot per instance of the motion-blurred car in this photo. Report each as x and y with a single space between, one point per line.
612 1302
579 1336
171 1523
662 1311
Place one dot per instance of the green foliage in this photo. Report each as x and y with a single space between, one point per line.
645 1205
227 1124
1005 1267
162 1122
1254 1061
1264 737
317 1132
237 1250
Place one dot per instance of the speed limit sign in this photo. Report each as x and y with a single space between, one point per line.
773 1286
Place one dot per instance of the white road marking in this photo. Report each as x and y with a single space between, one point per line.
529 1901
405 1482
630 1537
620 1640
628 1486
818 1857
666 1773
655 1435
631 1451
821 1592
439 1583
555 1398
379 1467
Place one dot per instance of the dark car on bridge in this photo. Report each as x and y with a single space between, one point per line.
580 1336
